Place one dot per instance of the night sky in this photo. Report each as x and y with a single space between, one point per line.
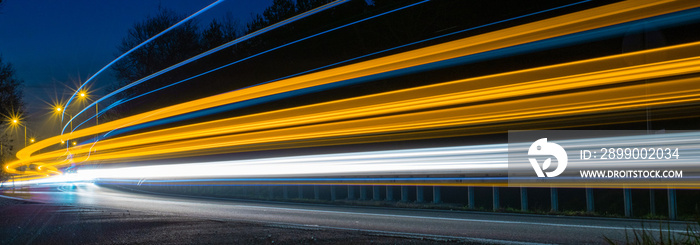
56 45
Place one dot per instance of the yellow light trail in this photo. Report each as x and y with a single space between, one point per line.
557 26
673 92
416 121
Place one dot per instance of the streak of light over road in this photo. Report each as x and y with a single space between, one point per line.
451 166
82 86
487 104
223 46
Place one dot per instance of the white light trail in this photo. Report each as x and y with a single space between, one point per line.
466 161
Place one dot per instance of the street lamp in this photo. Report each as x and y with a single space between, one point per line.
15 121
84 95
59 109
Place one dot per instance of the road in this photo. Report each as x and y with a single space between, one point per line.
472 227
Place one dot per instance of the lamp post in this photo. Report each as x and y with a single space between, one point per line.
15 121
84 95
59 109
2 153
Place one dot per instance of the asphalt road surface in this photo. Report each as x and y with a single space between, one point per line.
434 225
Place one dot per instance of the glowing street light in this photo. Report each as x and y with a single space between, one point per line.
59 109
84 95
15 121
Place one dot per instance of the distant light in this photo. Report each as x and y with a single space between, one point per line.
74 143
14 121
58 108
82 94
31 140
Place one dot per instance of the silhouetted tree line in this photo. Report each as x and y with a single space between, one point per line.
10 90
10 105
175 46
190 39
412 24
187 41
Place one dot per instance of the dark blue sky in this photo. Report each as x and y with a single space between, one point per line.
55 44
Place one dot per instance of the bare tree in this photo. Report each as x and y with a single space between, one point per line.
10 104
278 11
169 49
172 47
220 31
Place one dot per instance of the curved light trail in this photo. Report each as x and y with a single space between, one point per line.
580 21
660 21
414 109
130 51
211 51
581 89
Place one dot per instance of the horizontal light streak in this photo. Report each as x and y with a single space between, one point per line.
466 163
446 117
576 22
439 95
